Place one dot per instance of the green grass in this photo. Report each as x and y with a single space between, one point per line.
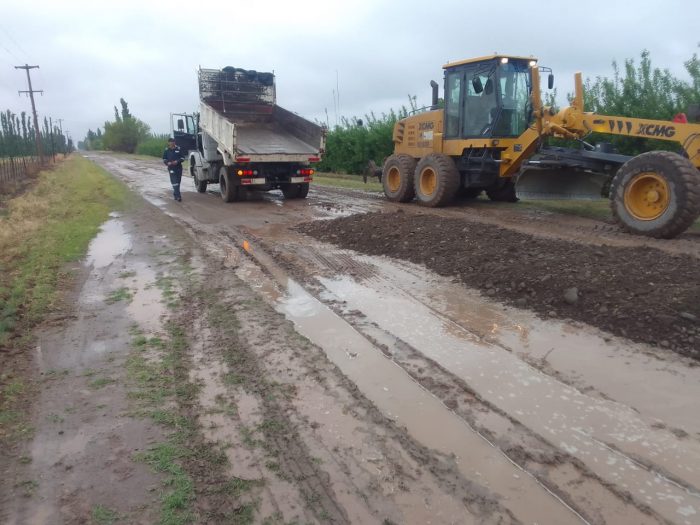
120 294
13 418
102 515
179 493
28 487
166 284
156 387
45 228
347 181
100 382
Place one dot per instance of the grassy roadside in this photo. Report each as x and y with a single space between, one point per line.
41 230
346 181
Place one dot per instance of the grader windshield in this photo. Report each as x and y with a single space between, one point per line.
487 99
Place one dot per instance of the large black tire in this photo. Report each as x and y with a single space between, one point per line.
397 178
230 192
200 185
468 193
505 192
436 180
656 194
295 191
303 190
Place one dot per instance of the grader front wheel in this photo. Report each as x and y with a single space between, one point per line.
656 194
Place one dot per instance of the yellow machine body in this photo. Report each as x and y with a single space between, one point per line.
490 134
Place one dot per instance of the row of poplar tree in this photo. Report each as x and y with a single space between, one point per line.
17 136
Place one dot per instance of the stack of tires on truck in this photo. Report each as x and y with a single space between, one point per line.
243 141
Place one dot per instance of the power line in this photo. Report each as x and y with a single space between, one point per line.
30 92
11 53
14 41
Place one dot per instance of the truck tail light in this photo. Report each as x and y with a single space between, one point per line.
314 159
306 172
242 159
246 173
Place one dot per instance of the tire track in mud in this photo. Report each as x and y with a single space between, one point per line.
595 499
480 500
438 387
247 347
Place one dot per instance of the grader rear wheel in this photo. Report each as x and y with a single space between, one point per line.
656 194
397 178
436 180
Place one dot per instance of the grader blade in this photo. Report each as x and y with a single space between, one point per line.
560 185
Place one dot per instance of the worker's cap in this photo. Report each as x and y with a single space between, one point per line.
171 139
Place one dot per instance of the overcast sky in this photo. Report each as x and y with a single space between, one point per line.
92 53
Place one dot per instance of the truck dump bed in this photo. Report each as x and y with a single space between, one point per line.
238 110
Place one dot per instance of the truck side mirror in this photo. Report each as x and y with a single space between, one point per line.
180 124
477 85
550 81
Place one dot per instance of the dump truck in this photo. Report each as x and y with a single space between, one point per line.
242 140
491 136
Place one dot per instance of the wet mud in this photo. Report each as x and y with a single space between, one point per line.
344 386
642 294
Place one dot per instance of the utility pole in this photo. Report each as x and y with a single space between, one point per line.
31 92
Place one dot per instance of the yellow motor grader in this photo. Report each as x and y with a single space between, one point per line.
491 136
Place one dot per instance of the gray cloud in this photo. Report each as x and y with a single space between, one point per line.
93 53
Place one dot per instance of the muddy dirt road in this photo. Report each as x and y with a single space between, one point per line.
411 397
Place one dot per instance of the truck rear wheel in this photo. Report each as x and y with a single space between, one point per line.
397 178
230 192
295 191
656 194
436 180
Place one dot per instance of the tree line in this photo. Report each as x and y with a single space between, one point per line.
637 89
125 133
17 136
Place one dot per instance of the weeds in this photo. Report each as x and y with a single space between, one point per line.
101 382
120 294
102 515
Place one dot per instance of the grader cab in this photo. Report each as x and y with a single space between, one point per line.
490 136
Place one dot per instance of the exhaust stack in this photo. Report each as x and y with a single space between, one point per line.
434 85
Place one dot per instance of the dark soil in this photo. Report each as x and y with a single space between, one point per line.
639 293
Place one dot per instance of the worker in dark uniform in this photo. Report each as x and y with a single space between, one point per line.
173 159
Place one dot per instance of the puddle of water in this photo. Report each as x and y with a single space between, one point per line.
146 307
562 415
368 467
111 242
403 400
